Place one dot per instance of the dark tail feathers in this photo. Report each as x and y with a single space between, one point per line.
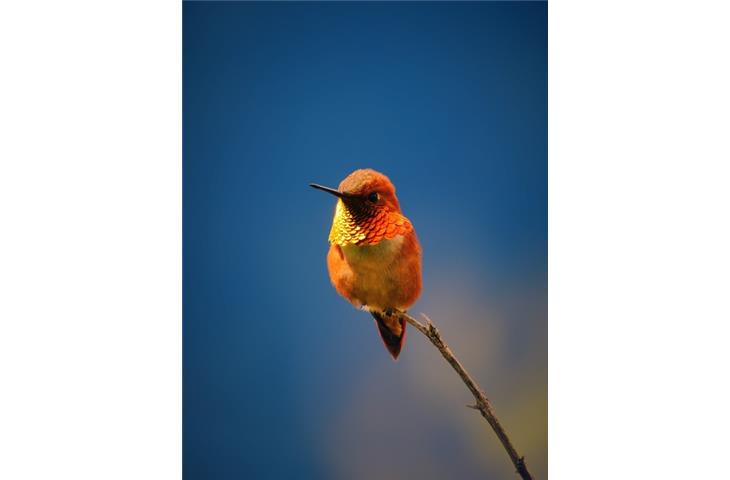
392 330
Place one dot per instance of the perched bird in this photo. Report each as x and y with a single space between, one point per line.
374 260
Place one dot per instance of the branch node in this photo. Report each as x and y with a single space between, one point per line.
522 468
474 407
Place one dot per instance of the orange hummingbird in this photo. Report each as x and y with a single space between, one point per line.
374 260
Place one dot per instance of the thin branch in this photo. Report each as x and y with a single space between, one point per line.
482 402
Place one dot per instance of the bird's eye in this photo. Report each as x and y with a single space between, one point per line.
373 197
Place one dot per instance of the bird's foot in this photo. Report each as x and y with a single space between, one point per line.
393 312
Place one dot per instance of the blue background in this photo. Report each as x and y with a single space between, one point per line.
282 377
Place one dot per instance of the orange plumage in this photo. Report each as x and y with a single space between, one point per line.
374 260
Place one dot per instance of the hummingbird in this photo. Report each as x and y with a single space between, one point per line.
374 258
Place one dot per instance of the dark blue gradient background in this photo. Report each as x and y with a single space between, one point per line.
283 378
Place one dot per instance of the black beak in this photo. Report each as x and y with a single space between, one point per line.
334 192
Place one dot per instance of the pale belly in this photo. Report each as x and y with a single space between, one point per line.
376 270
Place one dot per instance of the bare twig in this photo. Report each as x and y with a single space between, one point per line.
482 402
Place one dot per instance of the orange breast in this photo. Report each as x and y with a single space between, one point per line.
382 275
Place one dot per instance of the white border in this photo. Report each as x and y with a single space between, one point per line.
639 237
90 249
90 296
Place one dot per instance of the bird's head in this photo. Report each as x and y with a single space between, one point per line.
366 207
365 190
